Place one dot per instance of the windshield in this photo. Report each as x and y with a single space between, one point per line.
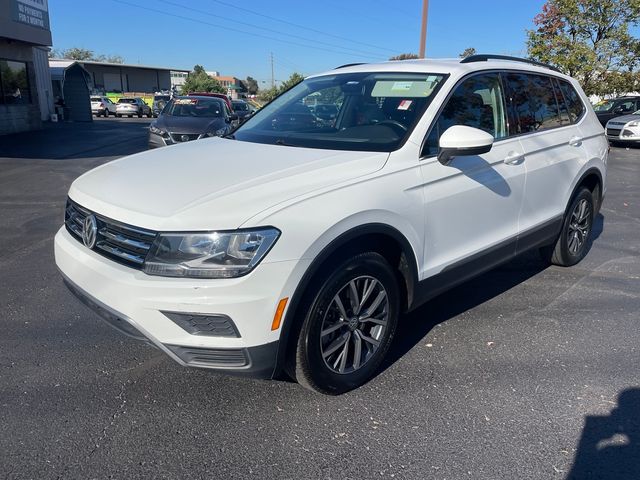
96 99
194 107
349 111
127 100
603 106
240 106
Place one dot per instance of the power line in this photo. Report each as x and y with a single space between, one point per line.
236 7
306 39
175 15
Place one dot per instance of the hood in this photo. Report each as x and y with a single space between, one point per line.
213 183
625 119
190 124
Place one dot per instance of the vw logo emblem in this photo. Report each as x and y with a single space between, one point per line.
185 138
89 231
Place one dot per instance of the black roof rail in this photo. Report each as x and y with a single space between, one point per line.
349 65
485 57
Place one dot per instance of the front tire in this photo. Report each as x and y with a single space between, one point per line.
349 325
576 235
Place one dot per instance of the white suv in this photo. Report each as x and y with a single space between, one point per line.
295 244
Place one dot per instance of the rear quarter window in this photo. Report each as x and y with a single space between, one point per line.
572 99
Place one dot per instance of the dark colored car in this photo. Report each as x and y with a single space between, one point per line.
615 107
159 101
190 118
241 108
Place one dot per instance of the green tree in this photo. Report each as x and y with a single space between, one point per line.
76 53
589 40
251 84
199 81
404 56
468 52
268 94
273 92
83 54
293 80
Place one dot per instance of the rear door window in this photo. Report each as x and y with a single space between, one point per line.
534 102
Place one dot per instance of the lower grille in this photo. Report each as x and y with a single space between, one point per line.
613 132
211 357
120 242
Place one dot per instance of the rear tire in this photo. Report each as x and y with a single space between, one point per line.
576 235
348 326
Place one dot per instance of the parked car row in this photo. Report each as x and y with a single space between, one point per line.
195 116
621 118
190 118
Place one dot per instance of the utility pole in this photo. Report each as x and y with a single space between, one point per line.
423 33
273 81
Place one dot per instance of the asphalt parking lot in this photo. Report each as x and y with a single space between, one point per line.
527 372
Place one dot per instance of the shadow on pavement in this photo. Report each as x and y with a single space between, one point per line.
609 448
57 141
417 324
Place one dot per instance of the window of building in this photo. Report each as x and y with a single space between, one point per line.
14 83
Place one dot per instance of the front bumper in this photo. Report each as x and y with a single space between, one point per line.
623 134
136 304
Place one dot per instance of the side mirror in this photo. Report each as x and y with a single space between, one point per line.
233 117
618 109
460 141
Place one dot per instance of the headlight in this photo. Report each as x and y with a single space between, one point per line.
209 254
156 130
217 133
635 123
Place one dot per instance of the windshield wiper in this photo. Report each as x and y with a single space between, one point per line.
230 136
280 141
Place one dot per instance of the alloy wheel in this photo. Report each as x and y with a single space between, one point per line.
579 226
354 324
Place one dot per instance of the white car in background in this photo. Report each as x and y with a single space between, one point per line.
624 129
102 106
295 245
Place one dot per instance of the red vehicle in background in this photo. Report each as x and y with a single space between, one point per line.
219 95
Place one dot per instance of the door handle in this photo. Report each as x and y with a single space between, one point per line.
514 158
575 141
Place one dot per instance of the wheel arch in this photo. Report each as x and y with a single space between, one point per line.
592 179
377 237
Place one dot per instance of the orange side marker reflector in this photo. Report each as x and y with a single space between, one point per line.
277 318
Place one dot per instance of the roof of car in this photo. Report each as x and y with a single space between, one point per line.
202 97
444 66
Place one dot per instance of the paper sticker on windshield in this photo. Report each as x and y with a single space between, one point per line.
186 101
405 104
401 86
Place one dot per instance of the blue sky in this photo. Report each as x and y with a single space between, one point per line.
237 38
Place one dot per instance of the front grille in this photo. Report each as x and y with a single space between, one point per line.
120 242
183 137
612 132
